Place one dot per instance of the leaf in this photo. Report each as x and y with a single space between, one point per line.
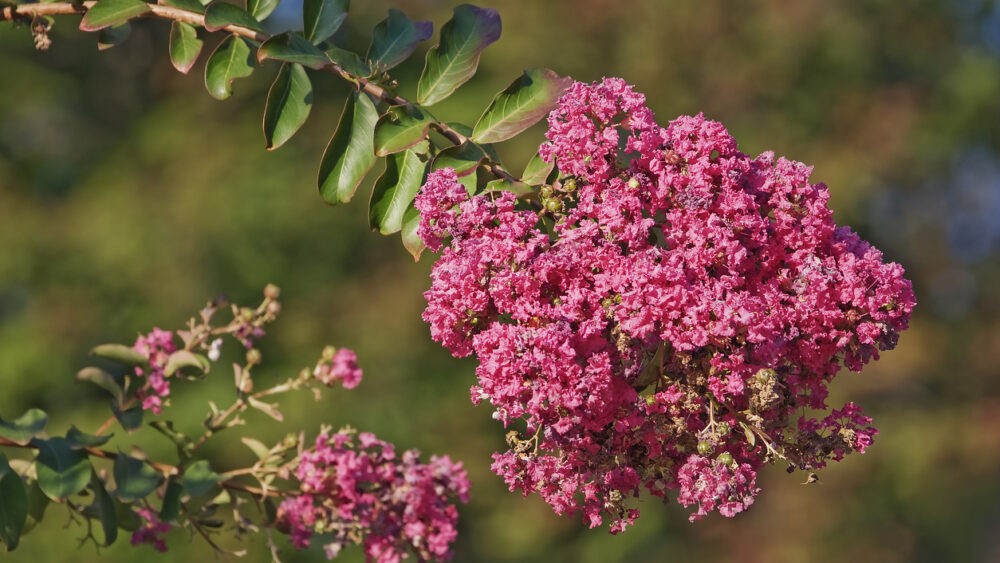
104 380
184 46
13 509
106 13
220 14
4 464
519 188
200 479
37 503
350 61
269 409
25 427
528 98
80 440
185 359
106 509
111 36
288 104
189 5
351 152
171 507
749 435
128 520
395 38
463 159
120 353
454 60
134 478
395 190
257 447
130 419
231 60
260 9
290 47
322 18
536 171
401 128
62 471
411 240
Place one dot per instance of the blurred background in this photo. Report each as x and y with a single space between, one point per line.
128 198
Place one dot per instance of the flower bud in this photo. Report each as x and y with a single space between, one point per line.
569 185
253 356
273 308
328 353
633 183
272 291
246 314
545 192
704 448
553 205
726 458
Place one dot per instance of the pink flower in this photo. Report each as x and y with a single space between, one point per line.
156 347
151 531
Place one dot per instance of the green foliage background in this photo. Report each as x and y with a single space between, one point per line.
128 197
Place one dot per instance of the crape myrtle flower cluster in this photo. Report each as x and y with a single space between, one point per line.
356 490
666 321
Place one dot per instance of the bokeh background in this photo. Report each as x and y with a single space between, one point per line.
128 197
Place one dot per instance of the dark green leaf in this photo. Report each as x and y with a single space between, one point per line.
455 58
111 36
106 13
25 427
520 105
104 380
128 520
62 471
395 38
260 9
411 241
184 46
4 465
79 440
130 419
171 501
189 5
231 60
401 128
322 18
351 152
134 478
184 359
106 509
120 353
13 509
37 503
536 171
292 48
200 479
395 190
220 14
288 104
349 61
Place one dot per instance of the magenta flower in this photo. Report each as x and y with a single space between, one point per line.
156 347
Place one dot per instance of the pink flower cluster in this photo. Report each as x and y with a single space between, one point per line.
156 347
151 531
343 368
665 317
356 490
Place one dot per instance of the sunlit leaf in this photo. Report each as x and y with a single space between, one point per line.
184 46
220 14
25 427
288 104
185 359
454 60
536 171
292 48
260 9
230 60
395 190
395 38
519 106
107 13
104 380
411 241
119 353
351 152
322 18
189 5
401 128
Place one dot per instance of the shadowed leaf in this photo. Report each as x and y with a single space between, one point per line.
322 18
454 60
401 128
135 478
395 38
62 470
290 47
394 191
288 104
351 152
25 427
107 13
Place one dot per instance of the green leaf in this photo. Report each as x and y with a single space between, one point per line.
351 152
185 359
134 478
189 5
463 159
4 465
220 14
106 13
184 46
395 38
13 509
288 104
111 36
120 353
130 419
171 501
290 47
128 520
520 105
395 190
349 61
257 447
536 171
519 188
80 440
37 503
200 479
411 241
455 58
106 509
260 9
231 60
401 128
104 380
25 427
62 471
322 18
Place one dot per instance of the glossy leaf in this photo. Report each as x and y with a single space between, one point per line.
62 470
189 5
106 509
220 14
171 507
454 60
25 427
401 128
13 509
130 419
395 38
351 152
536 171
200 479
394 191
463 159
104 380
134 478
231 60
113 35
528 99
349 61
184 46
322 18
260 9
290 47
411 241
107 13
119 353
79 440
288 104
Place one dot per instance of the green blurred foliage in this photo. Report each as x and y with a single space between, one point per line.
128 197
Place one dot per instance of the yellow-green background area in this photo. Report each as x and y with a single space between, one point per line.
128 197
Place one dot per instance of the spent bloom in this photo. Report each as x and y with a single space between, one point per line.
667 321
151 531
156 347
